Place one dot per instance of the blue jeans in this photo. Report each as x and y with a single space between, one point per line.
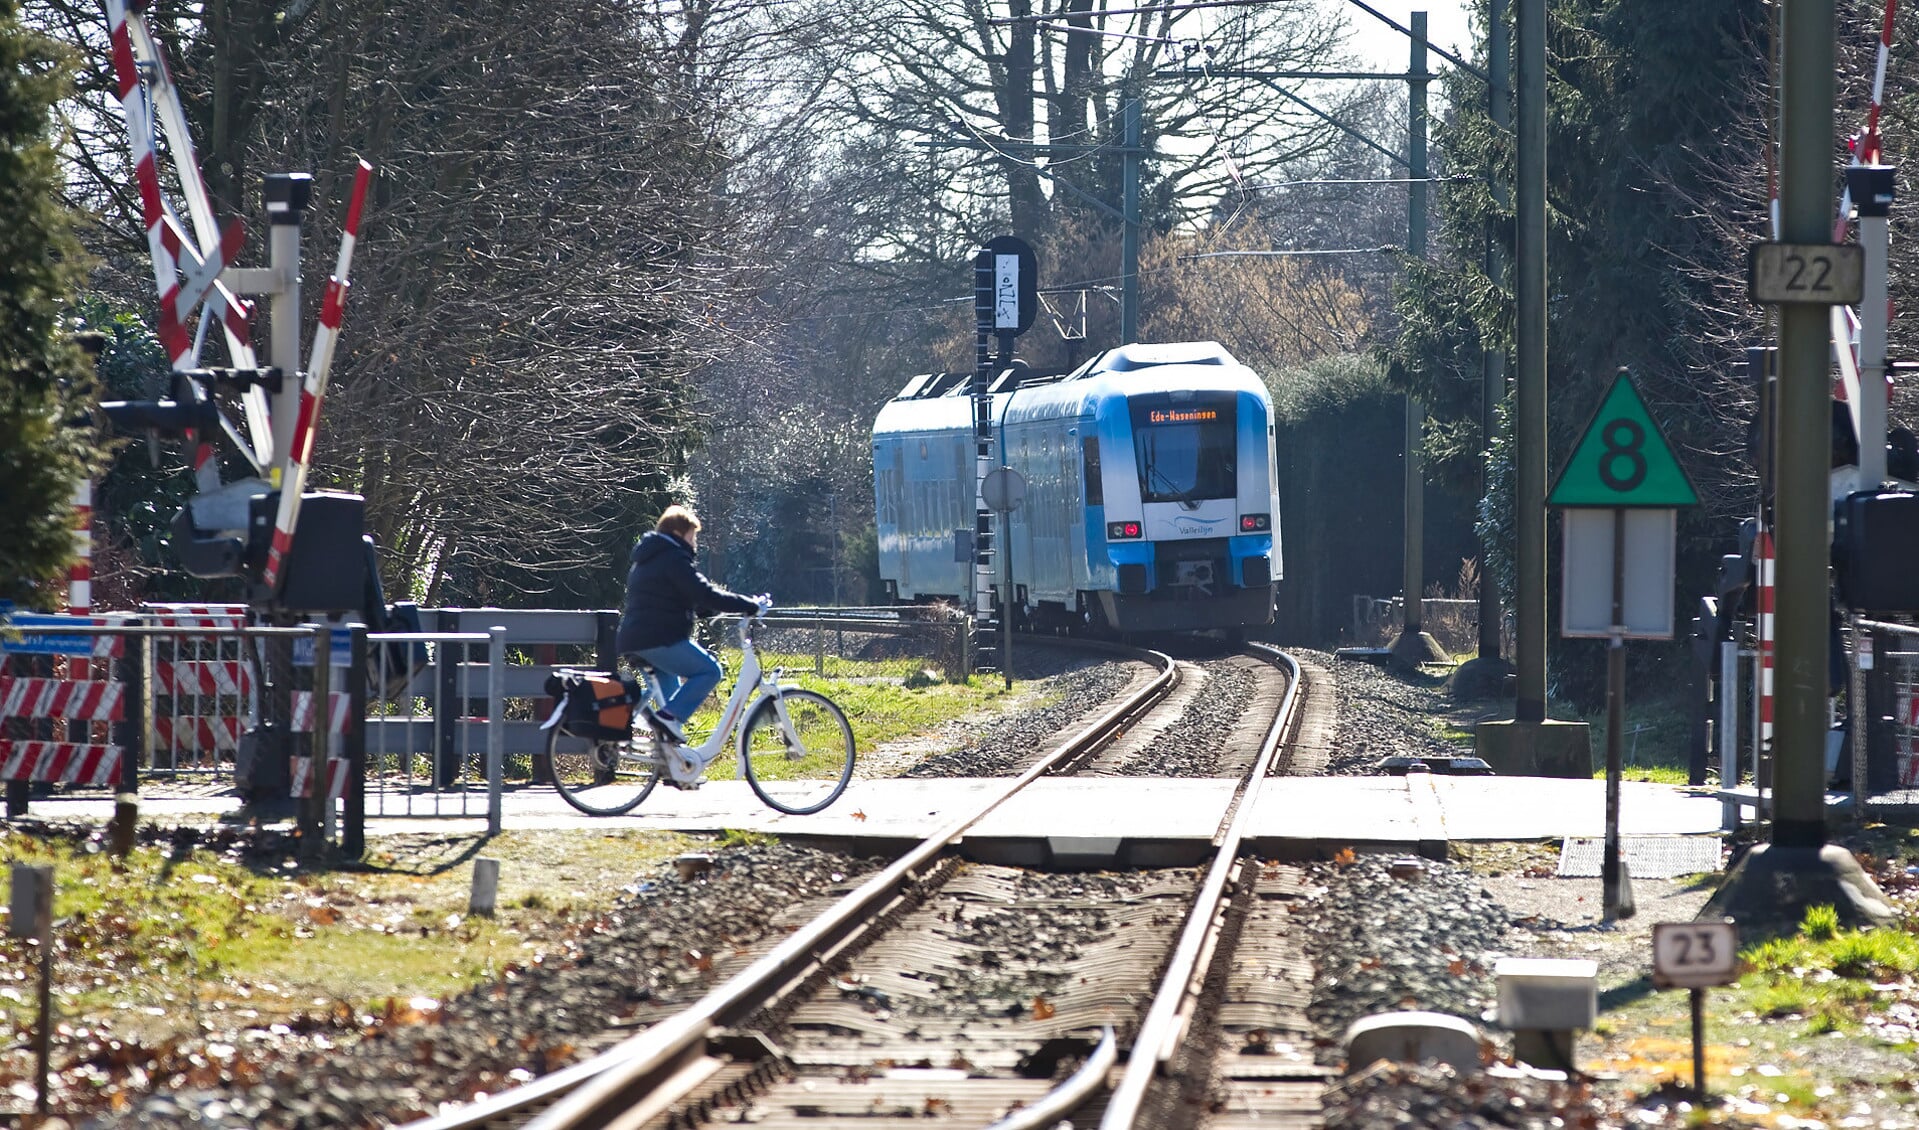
688 673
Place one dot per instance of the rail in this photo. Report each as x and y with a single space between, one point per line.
645 1075
1161 1032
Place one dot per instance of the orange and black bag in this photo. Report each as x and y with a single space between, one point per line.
592 704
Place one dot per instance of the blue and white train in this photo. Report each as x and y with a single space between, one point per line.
1151 499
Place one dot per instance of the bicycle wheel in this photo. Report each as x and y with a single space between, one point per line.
807 776
599 778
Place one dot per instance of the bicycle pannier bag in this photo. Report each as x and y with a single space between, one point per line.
592 704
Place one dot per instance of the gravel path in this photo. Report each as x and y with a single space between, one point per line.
655 951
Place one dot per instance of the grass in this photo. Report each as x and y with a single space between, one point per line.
1824 973
149 939
880 710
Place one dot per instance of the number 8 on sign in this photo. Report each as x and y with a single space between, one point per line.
1623 440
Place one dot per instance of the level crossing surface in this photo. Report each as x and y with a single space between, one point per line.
1091 817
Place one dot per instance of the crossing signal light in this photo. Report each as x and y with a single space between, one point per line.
162 417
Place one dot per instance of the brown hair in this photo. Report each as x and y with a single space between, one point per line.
678 521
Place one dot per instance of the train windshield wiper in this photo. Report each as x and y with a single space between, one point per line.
1168 486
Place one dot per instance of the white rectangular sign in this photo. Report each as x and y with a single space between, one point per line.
1694 955
1586 596
1006 292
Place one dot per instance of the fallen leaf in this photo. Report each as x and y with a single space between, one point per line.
1043 1009
859 815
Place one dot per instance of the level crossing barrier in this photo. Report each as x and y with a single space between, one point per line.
142 702
417 724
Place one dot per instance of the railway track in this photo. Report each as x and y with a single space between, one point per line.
988 995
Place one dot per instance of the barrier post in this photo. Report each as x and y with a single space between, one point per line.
319 742
606 637
447 707
19 792
139 751
1726 737
353 824
495 723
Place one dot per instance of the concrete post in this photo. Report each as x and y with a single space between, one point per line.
1776 882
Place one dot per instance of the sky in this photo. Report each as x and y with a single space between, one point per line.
1446 26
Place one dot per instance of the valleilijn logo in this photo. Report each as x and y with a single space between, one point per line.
1196 521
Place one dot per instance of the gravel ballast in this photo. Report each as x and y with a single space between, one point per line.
1005 746
653 952
1382 714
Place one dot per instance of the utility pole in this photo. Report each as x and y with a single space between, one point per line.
1129 224
1776 882
1493 361
1529 744
1529 402
1414 646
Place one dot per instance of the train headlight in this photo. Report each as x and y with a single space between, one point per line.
1122 531
1255 523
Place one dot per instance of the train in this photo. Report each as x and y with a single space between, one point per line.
1151 504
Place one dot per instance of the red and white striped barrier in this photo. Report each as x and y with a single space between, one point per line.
196 615
66 763
198 734
80 573
319 366
1762 552
303 777
203 677
91 700
338 704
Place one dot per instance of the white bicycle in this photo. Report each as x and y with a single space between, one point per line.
795 747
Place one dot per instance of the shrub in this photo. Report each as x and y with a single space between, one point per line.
1821 924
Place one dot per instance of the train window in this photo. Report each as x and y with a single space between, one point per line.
1095 486
1185 452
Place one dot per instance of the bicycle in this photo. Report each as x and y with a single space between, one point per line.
795 747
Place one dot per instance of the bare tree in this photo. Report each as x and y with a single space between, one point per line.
548 244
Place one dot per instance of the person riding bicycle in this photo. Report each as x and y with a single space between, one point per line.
665 595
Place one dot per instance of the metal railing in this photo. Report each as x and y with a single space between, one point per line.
1885 685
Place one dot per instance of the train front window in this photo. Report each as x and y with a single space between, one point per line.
1185 450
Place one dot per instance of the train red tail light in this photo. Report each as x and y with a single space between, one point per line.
1121 531
1254 523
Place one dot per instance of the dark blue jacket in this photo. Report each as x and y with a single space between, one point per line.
665 594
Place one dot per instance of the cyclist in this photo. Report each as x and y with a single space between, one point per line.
665 595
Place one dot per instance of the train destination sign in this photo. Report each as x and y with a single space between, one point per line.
1622 460
1175 416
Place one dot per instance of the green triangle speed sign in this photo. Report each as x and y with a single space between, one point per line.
1623 459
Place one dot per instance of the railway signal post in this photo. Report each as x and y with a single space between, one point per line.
1620 491
1005 301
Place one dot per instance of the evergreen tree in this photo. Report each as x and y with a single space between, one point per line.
45 381
1654 176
